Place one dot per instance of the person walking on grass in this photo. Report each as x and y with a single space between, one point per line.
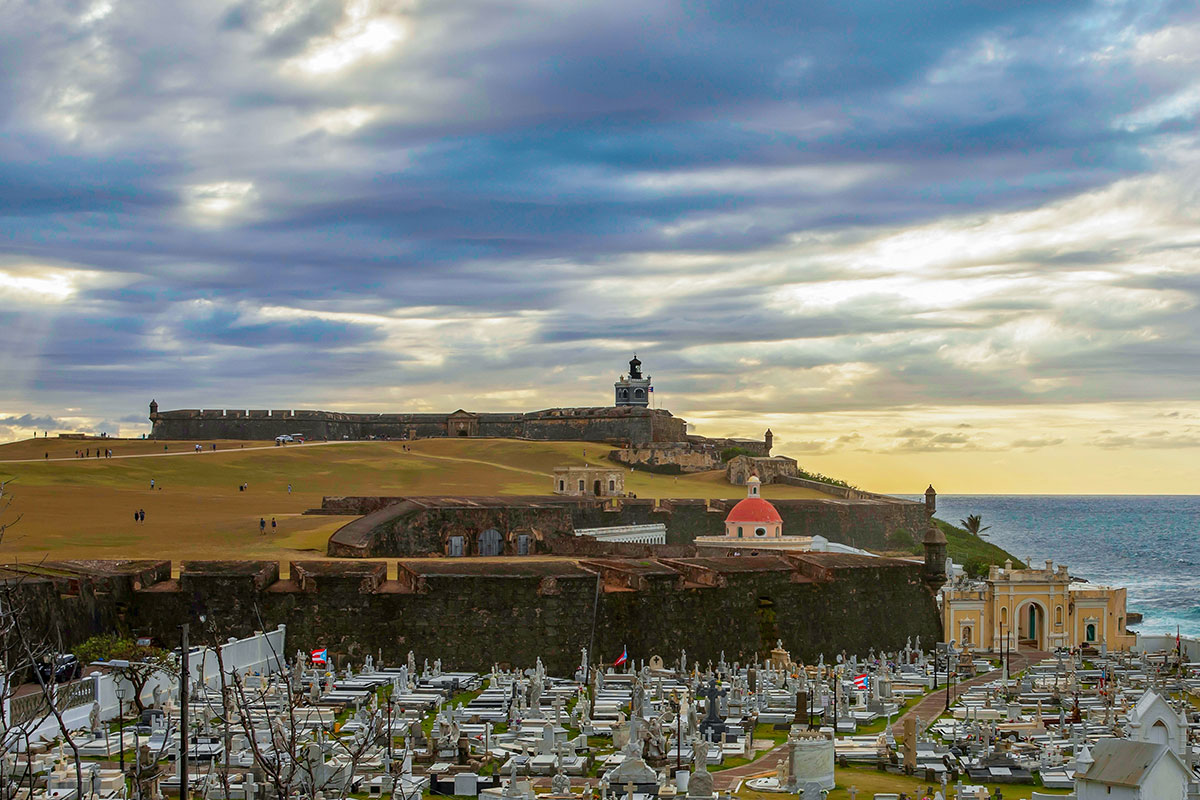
272 524
262 525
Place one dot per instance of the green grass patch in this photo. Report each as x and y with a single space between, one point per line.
974 552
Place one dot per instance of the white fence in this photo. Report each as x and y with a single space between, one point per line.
262 653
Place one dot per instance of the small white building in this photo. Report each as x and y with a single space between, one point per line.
1121 769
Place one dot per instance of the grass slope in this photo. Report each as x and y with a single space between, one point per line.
83 508
972 551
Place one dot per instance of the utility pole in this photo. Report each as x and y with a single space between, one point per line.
183 712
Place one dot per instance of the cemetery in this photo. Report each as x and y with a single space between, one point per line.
262 723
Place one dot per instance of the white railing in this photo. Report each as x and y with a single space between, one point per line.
655 533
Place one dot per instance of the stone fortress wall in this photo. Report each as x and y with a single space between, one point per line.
623 424
402 527
473 613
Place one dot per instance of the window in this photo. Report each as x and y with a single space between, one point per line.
562 486
581 484
739 531
612 485
760 531
639 394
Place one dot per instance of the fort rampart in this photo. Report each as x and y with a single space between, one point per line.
618 424
472 613
399 527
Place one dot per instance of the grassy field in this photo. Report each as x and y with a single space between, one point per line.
83 508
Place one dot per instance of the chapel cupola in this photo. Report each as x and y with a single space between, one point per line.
633 389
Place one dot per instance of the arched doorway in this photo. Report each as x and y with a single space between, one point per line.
1159 734
596 488
1031 625
491 543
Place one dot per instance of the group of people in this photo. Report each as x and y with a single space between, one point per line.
87 453
139 515
262 525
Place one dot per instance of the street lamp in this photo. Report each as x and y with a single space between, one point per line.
949 667
1003 656
120 692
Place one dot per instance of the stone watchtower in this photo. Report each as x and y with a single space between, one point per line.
633 390
153 409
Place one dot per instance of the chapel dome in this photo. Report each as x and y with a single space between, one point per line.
754 509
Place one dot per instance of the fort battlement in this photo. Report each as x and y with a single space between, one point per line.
474 612
617 424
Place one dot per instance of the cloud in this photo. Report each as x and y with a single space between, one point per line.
31 421
847 208
1037 442
1152 440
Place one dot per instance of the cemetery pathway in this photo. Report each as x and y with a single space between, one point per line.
933 704
929 707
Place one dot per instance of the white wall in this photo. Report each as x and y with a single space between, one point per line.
253 653
1157 643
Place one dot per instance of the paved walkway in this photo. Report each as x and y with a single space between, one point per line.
933 704
171 453
930 707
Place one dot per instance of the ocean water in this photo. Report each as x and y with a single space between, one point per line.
1148 544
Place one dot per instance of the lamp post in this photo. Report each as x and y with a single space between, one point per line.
390 733
1003 657
677 706
949 671
120 692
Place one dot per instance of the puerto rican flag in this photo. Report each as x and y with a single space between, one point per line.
621 659
320 656
862 681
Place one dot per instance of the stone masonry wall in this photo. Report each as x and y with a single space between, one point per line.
606 423
669 457
399 531
472 613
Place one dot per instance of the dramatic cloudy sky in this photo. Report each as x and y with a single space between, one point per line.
923 241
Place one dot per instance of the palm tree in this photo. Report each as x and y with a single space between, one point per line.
973 523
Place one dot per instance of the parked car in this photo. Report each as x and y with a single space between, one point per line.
61 669
284 438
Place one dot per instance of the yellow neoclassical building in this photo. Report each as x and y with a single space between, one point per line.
1039 609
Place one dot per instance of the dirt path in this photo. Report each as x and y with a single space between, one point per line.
481 461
